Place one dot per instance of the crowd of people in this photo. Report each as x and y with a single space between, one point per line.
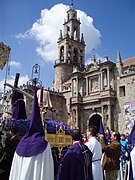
92 156
112 159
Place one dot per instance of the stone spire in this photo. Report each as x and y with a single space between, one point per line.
93 59
119 63
82 39
119 58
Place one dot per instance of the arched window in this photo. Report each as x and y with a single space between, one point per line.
62 53
81 61
69 57
75 33
68 30
75 56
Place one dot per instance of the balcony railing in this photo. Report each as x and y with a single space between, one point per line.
58 61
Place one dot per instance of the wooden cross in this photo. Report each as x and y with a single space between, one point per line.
16 80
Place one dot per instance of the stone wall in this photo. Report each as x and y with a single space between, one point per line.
125 94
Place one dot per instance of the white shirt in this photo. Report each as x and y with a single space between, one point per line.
95 147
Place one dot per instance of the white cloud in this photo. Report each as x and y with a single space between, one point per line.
15 64
22 80
92 36
46 31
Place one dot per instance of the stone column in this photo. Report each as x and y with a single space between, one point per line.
87 87
109 117
101 81
74 90
58 55
108 78
102 112
76 124
72 87
76 86
66 54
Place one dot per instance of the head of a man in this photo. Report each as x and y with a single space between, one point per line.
76 134
123 137
115 136
10 132
91 131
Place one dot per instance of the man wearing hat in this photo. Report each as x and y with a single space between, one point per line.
33 158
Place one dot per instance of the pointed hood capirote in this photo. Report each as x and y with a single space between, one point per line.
33 142
131 136
101 128
108 136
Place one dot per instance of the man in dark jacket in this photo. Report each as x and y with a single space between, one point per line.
77 162
111 162
10 146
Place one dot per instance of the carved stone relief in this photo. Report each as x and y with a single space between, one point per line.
94 84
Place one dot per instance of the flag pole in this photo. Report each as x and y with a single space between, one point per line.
7 74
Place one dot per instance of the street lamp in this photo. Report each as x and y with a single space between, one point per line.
34 81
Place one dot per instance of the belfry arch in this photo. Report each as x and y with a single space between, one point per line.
75 55
62 53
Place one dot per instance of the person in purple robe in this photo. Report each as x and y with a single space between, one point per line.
33 157
77 162
131 153
18 106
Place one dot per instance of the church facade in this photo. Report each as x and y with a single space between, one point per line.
83 95
100 90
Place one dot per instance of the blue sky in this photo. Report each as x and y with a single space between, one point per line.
31 28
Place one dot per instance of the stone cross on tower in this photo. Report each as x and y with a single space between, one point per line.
72 3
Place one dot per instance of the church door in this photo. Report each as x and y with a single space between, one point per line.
95 121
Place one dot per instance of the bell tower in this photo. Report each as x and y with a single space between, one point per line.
71 49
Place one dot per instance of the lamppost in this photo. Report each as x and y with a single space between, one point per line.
34 81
